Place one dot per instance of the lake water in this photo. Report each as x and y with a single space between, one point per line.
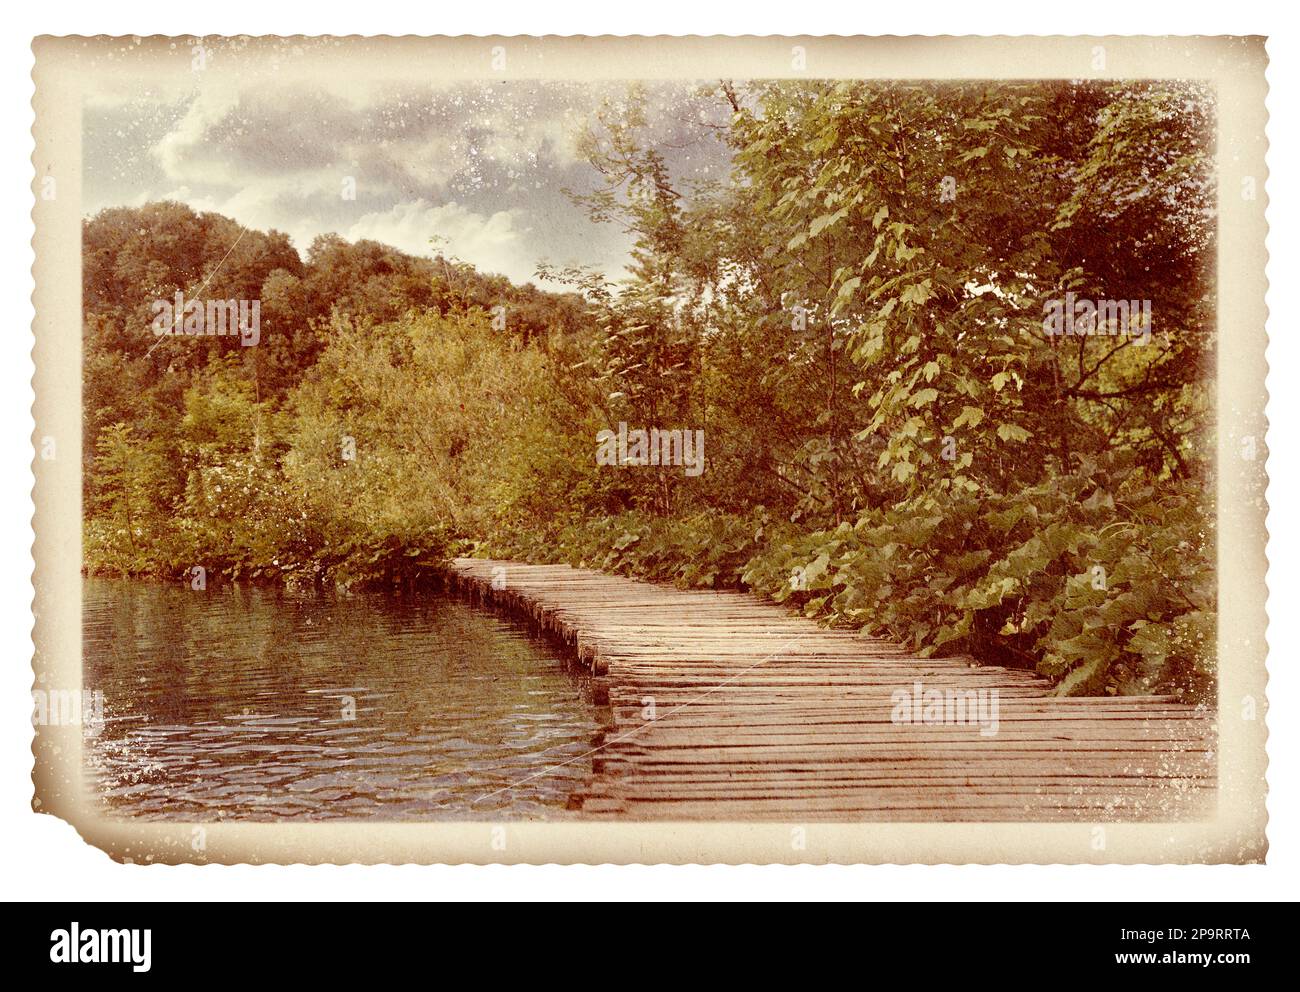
262 704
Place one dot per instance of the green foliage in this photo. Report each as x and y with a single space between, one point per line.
202 452
1106 595
707 550
123 528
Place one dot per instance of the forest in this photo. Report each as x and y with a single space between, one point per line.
885 325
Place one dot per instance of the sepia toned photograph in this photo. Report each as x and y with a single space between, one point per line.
690 449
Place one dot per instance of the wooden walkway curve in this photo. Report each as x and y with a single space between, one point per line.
727 707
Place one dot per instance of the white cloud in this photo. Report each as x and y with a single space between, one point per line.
491 243
186 153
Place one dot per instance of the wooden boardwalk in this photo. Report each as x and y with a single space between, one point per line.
727 707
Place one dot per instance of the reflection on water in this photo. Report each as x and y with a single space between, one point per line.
261 704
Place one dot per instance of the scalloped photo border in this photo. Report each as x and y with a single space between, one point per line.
69 69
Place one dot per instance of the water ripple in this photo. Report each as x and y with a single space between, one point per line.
260 704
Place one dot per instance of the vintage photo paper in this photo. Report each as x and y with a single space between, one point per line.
638 450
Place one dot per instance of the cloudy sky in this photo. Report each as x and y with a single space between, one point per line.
482 165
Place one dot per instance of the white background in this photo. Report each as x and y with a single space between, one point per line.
43 858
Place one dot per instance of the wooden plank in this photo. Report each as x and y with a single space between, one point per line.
762 714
